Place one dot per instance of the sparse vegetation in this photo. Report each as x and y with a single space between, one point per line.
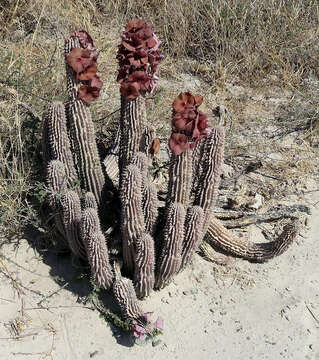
261 44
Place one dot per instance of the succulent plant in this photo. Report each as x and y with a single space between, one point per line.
84 147
193 233
155 244
56 182
55 141
189 124
145 263
88 201
170 259
139 59
71 155
149 192
125 296
150 207
209 177
133 225
180 178
223 239
70 210
81 67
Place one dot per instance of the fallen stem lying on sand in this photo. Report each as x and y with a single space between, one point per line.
235 219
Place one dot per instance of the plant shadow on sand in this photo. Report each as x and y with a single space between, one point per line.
76 279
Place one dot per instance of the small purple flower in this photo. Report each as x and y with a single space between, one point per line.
145 330
159 323
138 331
148 317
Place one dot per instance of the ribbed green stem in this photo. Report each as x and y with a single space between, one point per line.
55 141
221 237
193 233
150 207
132 129
180 178
149 192
170 258
85 150
88 201
213 156
73 84
144 266
132 218
96 248
125 296
56 182
71 218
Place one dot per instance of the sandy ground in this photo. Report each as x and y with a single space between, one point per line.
243 311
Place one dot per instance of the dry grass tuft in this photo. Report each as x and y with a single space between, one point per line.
261 42
249 39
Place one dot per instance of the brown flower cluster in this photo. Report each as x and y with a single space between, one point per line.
139 59
189 125
83 62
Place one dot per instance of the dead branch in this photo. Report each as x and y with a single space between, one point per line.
235 219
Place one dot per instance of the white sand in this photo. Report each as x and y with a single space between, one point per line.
245 311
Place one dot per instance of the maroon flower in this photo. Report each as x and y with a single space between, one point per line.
130 90
79 59
91 91
139 59
178 143
145 32
202 122
188 123
86 42
151 43
186 101
96 83
128 46
141 78
181 123
134 25
84 38
88 73
121 76
83 62
200 125
180 102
